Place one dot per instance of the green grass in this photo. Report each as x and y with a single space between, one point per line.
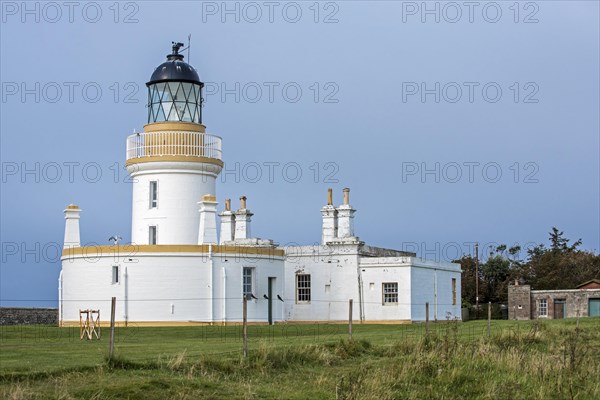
521 360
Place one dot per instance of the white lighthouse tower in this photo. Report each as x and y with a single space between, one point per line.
176 270
174 162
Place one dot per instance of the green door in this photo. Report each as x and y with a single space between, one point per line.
594 308
270 295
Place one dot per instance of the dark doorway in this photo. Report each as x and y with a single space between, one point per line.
270 295
559 308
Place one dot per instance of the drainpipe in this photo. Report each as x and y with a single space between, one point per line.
126 295
361 311
435 295
60 299
224 295
210 264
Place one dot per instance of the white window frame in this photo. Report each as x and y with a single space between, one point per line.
303 288
389 293
543 307
150 228
153 194
248 272
115 275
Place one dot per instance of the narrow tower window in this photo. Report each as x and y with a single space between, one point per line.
115 274
152 234
453 291
153 194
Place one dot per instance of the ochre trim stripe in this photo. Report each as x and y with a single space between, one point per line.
174 126
133 249
198 159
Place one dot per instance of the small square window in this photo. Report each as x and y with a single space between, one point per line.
390 293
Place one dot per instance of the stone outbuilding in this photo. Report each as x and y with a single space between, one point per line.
525 304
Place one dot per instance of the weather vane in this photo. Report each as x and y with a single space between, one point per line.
176 47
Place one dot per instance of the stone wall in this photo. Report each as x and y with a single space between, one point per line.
524 303
519 302
576 302
28 316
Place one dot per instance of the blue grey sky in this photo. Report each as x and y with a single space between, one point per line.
452 122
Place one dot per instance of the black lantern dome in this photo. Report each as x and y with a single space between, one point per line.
175 91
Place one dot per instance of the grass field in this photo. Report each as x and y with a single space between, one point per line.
520 360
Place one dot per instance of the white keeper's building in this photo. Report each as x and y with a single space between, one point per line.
181 269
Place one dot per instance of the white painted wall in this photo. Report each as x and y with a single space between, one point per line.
387 269
334 280
175 287
335 271
432 282
264 268
180 186
182 287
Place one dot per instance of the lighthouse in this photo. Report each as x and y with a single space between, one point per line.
176 270
191 262
173 163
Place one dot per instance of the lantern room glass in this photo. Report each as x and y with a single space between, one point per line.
175 101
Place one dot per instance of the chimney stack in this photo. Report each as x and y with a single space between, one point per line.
346 217
72 237
207 233
242 221
227 223
330 220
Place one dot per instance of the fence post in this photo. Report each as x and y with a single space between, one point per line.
245 328
489 317
350 319
427 318
111 345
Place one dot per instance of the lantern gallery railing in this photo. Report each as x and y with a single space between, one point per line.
193 144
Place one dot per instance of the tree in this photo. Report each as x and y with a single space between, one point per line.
498 271
467 264
561 266
560 244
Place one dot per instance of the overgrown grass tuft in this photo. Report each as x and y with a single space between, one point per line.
120 362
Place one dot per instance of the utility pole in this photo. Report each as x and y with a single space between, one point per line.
427 318
477 279
489 318
111 341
